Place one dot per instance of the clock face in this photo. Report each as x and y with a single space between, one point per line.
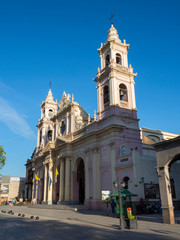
123 150
50 114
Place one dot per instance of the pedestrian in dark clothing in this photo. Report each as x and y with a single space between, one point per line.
142 205
113 206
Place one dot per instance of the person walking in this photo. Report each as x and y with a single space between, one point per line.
113 206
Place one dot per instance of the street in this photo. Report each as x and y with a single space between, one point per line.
68 224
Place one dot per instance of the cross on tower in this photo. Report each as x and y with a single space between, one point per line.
111 18
50 85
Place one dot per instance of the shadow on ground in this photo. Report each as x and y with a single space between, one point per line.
158 217
13 228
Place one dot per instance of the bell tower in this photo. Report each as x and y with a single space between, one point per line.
45 125
115 79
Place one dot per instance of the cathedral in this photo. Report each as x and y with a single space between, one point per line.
77 157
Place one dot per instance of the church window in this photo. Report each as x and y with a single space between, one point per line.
40 137
107 60
49 136
63 127
106 96
118 59
123 93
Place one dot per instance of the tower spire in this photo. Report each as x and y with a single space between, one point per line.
50 85
111 18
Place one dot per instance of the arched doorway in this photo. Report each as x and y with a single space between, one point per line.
168 153
81 180
174 170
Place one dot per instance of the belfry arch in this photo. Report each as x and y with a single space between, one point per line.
167 152
79 181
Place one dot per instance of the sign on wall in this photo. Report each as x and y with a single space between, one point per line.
105 195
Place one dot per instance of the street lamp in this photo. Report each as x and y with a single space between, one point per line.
118 185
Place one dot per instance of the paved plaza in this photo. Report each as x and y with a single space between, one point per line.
84 224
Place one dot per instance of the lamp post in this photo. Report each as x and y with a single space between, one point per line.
118 185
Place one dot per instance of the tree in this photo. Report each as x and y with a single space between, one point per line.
2 157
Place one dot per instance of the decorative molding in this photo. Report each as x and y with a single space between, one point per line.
95 149
64 102
86 151
61 156
112 144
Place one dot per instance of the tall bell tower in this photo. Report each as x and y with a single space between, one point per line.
115 79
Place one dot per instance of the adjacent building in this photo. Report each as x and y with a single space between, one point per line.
12 187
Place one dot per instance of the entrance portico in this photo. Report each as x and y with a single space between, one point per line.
167 153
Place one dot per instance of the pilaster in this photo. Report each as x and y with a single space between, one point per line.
112 89
166 197
67 123
38 135
113 163
96 174
133 95
67 178
50 187
61 185
86 174
99 100
45 183
33 185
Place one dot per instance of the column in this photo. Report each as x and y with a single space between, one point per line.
53 132
87 175
67 123
133 94
30 193
43 136
96 174
72 120
50 184
99 98
36 189
33 186
45 183
56 127
166 197
113 164
68 179
112 90
38 133
61 185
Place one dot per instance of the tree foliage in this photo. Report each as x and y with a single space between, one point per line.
2 157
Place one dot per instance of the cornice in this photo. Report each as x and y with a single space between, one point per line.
124 166
110 69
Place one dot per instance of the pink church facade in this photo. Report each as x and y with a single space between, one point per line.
77 157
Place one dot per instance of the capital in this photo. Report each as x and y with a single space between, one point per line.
61 156
112 144
95 149
86 151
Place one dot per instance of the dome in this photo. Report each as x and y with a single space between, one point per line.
112 34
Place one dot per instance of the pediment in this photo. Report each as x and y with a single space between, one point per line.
60 140
49 146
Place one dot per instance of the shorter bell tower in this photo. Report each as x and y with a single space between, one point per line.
45 125
115 79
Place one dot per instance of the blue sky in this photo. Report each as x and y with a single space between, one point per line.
57 40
